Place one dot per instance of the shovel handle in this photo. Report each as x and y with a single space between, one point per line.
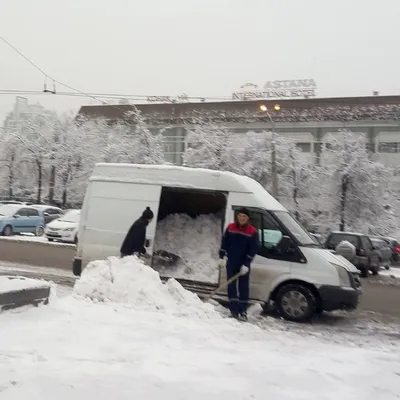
234 277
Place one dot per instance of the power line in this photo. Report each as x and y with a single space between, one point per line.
95 96
23 56
50 77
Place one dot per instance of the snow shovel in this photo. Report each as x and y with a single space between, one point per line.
166 258
224 285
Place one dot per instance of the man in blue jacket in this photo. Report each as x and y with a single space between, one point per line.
239 245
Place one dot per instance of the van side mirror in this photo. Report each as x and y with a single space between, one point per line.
16 216
147 243
287 245
46 214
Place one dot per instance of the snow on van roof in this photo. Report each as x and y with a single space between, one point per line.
185 177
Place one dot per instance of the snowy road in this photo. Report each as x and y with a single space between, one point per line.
80 350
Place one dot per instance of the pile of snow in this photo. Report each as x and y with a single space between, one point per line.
129 281
196 241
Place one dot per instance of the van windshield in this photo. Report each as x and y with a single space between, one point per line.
302 236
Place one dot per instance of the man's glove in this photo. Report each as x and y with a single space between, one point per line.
222 263
244 270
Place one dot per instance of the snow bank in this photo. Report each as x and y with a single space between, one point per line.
129 281
17 283
196 241
393 273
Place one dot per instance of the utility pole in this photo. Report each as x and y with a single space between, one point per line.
274 170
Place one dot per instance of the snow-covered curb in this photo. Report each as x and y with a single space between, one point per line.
17 291
18 283
41 241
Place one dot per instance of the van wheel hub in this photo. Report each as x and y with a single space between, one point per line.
294 303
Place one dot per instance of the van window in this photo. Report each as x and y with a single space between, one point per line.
302 235
270 236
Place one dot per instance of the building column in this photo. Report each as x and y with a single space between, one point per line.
318 135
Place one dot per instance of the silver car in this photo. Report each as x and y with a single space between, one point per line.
384 251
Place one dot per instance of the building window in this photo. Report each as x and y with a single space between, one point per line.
388 147
304 147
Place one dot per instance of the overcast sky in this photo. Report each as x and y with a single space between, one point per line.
199 47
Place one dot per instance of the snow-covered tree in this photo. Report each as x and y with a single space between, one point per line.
38 137
358 186
145 147
297 180
257 156
213 146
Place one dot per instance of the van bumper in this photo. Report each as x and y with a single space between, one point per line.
77 266
339 298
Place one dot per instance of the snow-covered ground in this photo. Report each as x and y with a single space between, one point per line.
196 241
143 339
391 273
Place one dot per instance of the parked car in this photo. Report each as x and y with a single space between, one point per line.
64 229
384 251
15 218
49 213
395 246
367 258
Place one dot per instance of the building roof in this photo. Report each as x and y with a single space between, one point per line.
370 108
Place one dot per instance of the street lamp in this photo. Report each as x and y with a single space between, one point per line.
274 172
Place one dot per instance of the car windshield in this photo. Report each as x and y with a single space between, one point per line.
302 236
70 216
7 211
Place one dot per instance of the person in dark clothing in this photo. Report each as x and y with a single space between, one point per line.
239 245
136 237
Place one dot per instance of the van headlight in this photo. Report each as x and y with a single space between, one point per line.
344 277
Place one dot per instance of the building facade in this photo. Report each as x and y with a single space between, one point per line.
310 122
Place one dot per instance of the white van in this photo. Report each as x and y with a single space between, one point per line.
291 269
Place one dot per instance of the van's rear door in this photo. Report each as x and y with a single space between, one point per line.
112 209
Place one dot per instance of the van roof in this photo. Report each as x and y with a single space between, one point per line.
184 177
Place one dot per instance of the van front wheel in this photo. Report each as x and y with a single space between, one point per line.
295 302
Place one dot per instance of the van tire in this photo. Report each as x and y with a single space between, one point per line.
304 302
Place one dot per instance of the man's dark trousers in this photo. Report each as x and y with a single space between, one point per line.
238 302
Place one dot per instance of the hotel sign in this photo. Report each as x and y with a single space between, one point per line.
299 88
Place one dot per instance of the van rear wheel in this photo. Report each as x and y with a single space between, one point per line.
295 302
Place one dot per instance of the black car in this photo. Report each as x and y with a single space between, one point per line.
49 213
367 258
